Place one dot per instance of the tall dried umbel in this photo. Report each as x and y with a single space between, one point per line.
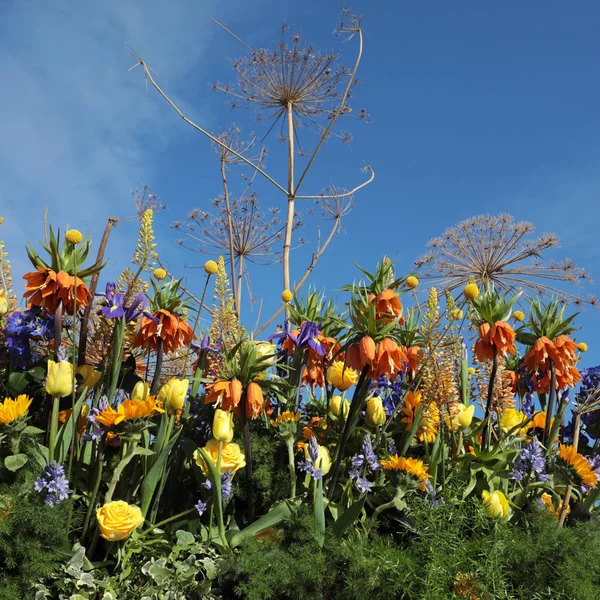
499 250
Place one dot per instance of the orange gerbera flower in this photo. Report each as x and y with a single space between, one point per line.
47 289
389 358
387 306
414 466
254 400
171 328
228 393
500 336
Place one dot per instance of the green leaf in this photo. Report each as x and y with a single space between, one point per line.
31 430
38 372
64 439
15 461
319 513
184 538
348 517
17 382
139 450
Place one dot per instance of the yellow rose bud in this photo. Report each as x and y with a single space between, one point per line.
287 296
323 462
471 291
140 391
90 375
496 504
73 236
341 377
59 381
159 274
3 303
232 458
582 346
339 404
456 314
375 412
116 520
222 429
412 282
172 394
519 315
462 419
210 267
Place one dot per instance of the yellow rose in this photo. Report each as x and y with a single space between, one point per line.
471 291
340 377
140 391
287 296
323 462
90 375
210 267
60 378
375 412
462 419
172 394
337 402
232 458
3 303
118 519
496 504
511 417
222 429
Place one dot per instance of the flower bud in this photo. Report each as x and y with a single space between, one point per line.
496 504
173 393
140 391
222 429
59 381
339 405
375 412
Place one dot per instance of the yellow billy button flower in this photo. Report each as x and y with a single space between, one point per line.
173 393
73 236
117 520
341 377
159 274
141 391
3 303
582 346
11 410
210 267
462 419
471 291
375 412
232 458
90 375
471 371
456 314
412 282
287 296
339 405
60 378
222 429
519 315
323 462
496 504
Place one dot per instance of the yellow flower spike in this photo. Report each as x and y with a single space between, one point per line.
582 346
59 381
287 296
173 393
496 504
222 429
117 520
456 314
73 236
375 414
211 267
471 291
339 405
159 274
519 316
11 410
341 377
412 282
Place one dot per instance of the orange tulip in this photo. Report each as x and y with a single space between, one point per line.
254 400
389 358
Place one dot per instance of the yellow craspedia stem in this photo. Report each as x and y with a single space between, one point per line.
287 296
73 236
519 315
159 274
211 267
471 291
582 346
412 282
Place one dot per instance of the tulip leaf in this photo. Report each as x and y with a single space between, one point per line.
31 430
15 461
65 434
348 517
319 513
141 451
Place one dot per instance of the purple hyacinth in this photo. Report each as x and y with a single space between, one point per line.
200 507
308 465
531 461
363 465
54 482
226 486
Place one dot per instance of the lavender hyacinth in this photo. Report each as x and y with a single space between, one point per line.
54 482
531 460
308 465
200 507
226 482
363 465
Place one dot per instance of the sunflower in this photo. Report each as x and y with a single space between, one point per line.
11 410
538 423
430 416
580 464
127 410
548 505
47 288
414 466
164 325
286 416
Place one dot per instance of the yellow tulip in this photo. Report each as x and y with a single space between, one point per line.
496 504
375 412
462 419
116 520
140 391
60 378
90 375
339 405
172 394
222 429
511 417
323 462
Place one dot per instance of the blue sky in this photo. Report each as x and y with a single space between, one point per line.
476 108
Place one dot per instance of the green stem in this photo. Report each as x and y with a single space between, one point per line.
53 426
117 357
98 480
487 430
165 522
119 470
291 466
551 400
218 501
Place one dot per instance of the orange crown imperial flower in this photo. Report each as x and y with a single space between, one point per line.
389 358
47 289
226 393
167 326
500 336
254 400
